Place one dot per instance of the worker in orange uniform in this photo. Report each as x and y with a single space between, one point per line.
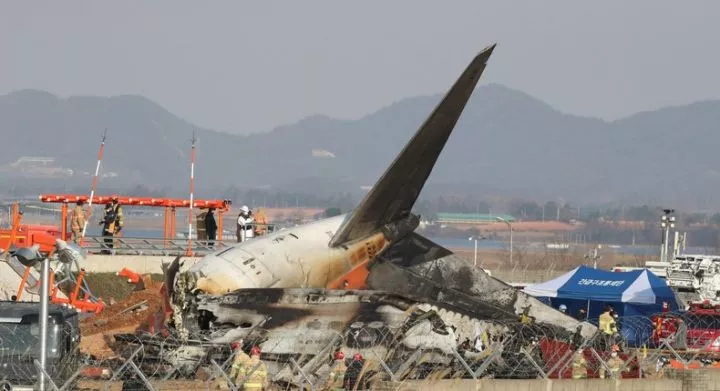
254 372
77 221
337 373
260 223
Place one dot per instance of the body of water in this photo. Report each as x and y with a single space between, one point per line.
456 243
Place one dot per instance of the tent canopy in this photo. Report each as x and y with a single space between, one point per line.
584 283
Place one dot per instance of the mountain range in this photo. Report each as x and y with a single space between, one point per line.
506 143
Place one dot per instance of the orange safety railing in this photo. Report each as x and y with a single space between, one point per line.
169 204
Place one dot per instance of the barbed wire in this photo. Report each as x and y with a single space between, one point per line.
391 355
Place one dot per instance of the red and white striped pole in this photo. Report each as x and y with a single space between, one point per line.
94 183
192 192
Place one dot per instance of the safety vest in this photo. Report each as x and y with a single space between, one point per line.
614 363
579 369
239 362
113 217
525 319
257 379
606 323
337 375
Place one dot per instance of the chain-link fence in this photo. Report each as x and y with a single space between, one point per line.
373 352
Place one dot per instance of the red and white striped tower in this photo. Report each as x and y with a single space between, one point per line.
192 193
94 183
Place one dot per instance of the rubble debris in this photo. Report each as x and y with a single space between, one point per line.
99 345
140 281
122 313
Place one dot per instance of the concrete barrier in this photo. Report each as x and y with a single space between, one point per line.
97 263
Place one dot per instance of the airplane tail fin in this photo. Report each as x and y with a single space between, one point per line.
397 190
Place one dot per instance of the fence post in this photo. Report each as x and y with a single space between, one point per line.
464 364
222 372
489 360
302 373
385 367
532 361
602 362
47 377
141 375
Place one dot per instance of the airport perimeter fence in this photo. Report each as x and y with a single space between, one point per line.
391 356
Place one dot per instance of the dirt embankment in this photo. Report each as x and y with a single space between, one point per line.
125 310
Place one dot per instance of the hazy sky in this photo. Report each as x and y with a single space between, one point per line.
242 66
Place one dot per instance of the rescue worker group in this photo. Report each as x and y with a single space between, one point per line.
113 220
112 223
248 372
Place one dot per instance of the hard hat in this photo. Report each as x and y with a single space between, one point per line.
236 344
114 197
357 357
339 355
563 307
245 208
255 350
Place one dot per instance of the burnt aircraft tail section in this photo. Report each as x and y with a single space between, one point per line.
416 266
395 193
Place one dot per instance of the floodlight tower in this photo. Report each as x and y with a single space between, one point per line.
667 221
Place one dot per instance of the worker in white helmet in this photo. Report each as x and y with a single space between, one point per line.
245 224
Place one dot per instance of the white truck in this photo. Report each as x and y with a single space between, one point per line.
694 277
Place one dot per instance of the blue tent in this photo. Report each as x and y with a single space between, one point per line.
633 293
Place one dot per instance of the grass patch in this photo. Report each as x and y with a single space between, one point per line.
107 285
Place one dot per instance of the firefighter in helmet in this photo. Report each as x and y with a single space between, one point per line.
239 360
254 372
352 375
77 221
615 363
337 373
579 365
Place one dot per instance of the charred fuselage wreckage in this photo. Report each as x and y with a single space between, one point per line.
362 282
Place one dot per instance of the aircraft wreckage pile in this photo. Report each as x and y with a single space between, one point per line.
358 283
416 331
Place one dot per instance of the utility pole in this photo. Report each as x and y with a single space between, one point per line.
475 239
509 224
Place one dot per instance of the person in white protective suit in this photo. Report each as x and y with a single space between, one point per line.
245 222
